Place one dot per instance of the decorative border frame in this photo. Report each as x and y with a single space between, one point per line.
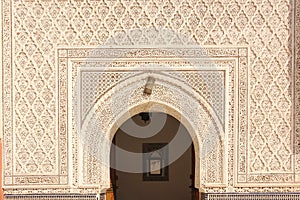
97 64
238 56
296 48
51 196
164 171
257 196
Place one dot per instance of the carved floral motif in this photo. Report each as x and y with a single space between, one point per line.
35 86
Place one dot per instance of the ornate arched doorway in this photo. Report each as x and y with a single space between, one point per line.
172 96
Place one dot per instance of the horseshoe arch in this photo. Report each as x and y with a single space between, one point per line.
175 98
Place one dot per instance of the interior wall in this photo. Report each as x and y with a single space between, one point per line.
131 185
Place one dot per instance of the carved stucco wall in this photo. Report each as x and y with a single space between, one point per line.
172 93
183 87
40 63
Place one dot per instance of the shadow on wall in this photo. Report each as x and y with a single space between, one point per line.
133 186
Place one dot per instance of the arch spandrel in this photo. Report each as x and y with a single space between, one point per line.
169 95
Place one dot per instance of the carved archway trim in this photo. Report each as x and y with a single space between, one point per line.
162 78
179 100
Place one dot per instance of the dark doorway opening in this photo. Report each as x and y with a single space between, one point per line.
177 184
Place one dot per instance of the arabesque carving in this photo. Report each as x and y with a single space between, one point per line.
256 41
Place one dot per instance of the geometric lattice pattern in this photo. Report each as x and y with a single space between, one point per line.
212 91
34 118
54 197
257 196
95 84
